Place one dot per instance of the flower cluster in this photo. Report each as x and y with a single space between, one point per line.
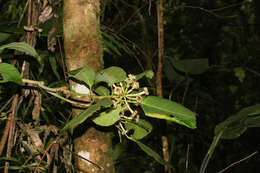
127 93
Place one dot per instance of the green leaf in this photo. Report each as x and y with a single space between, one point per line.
12 28
22 47
237 124
191 66
141 128
53 63
235 130
111 48
250 111
4 36
16 167
111 75
151 153
9 74
149 74
253 121
104 103
165 109
240 73
112 43
108 118
232 128
85 74
102 91
171 73
210 152
12 159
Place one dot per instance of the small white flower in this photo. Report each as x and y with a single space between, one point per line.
117 90
135 85
139 99
146 91
131 77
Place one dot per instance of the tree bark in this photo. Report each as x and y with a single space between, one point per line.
83 48
160 48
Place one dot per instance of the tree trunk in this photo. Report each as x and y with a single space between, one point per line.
83 48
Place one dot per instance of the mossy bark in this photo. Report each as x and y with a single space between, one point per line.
83 48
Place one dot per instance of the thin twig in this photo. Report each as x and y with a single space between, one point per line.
96 165
41 85
11 131
160 48
4 137
71 101
229 6
45 152
128 49
62 60
21 17
186 90
187 157
54 91
165 149
7 127
6 104
129 19
209 11
237 162
253 71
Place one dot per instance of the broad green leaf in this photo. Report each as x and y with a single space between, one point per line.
250 111
85 74
8 73
170 72
111 75
141 128
104 103
4 36
237 124
54 67
191 66
204 95
232 128
102 91
165 109
22 47
149 74
253 121
151 153
235 130
108 118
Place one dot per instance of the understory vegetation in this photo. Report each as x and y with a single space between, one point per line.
179 91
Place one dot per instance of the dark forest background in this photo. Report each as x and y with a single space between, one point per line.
211 65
